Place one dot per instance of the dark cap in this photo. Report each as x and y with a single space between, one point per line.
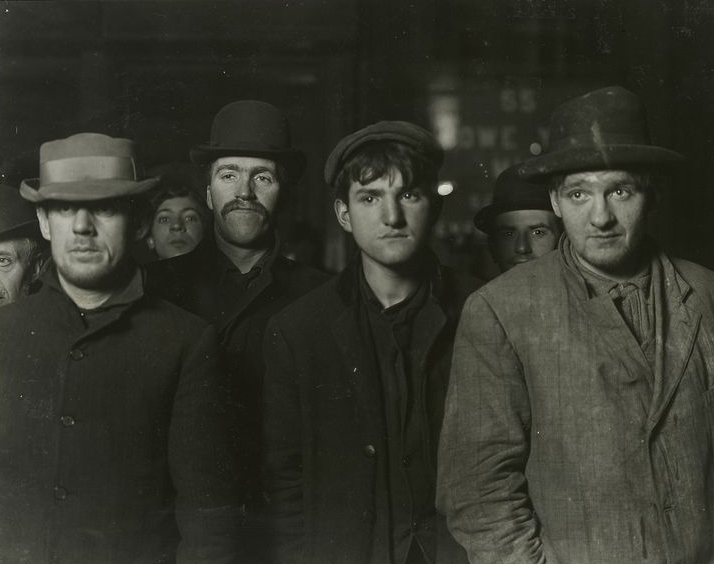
512 193
403 132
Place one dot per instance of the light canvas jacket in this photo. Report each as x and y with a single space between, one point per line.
549 450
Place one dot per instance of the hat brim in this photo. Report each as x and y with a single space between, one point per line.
292 159
485 216
25 228
84 190
606 157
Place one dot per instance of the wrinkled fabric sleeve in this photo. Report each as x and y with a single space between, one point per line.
483 451
203 460
282 471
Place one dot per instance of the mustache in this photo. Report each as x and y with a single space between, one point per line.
244 205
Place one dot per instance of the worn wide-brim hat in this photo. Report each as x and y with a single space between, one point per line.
86 167
603 129
512 193
403 132
251 128
17 216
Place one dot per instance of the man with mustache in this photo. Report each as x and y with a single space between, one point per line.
357 369
579 422
238 278
22 249
113 413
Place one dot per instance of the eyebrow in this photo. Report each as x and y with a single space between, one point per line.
193 208
514 228
237 168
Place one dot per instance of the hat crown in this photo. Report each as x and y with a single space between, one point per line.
513 190
87 145
609 116
250 124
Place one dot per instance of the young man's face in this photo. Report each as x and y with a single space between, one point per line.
243 195
604 214
522 235
177 227
390 222
15 269
89 240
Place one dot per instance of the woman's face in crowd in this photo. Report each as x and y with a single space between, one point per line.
177 227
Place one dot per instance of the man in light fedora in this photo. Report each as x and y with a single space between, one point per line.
519 222
112 407
579 425
238 278
22 249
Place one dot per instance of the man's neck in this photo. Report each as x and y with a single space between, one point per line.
633 269
392 285
85 298
243 258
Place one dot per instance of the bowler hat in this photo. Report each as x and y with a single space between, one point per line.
603 129
253 129
16 214
84 167
512 193
403 132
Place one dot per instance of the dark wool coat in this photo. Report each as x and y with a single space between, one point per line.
197 282
550 452
112 436
324 420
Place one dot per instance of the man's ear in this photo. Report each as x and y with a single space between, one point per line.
209 199
150 243
44 222
554 202
342 212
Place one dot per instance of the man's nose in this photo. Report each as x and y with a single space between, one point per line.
601 215
83 222
523 243
392 212
245 189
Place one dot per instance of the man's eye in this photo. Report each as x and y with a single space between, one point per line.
104 211
190 217
367 199
413 196
162 219
5 262
506 234
621 192
538 232
264 178
228 176
575 195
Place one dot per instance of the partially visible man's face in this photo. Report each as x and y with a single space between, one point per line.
522 235
15 269
390 222
177 227
89 240
604 214
243 195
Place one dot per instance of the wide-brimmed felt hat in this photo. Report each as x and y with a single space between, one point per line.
86 167
16 214
251 128
512 193
403 132
603 129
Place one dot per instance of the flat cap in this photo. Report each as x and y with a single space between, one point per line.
398 131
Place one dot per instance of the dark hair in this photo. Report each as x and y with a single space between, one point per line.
171 188
377 159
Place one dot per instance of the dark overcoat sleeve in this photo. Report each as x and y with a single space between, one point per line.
283 475
483 451
202 459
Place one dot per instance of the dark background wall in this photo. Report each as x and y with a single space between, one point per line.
484 75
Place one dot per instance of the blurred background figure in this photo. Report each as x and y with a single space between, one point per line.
520 223
21 246
181 217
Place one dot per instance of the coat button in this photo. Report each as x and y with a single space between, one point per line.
60 493
406 461
67 420
369 451
76 354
